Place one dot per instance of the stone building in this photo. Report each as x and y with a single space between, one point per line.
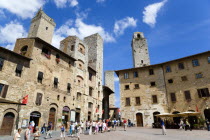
175 86
62 84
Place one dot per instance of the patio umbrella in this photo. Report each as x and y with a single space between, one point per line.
188 113
165 115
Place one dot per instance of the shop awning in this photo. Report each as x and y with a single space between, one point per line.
4 101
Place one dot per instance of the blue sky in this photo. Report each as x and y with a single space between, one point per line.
173 28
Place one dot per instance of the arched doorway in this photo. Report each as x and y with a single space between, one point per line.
52 116
7 124
34 116
66 115
176 120
139 119
207 114
156 119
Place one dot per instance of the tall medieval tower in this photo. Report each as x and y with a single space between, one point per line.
42 26
140 50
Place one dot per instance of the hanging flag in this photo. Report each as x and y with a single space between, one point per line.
25 100
96 110
118 110
197 108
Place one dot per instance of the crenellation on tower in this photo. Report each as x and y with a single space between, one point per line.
140 50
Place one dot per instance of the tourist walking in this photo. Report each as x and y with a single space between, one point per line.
36 134
17 135
62 127
43 129
27 133
115 124
187 126
181 124
72 127
100 125
207 124
81 127
163 127
49 130
124 124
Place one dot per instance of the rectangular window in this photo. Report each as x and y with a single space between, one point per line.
154 99
90 91
18 70
90 105
90 76
181 66
55 82
199 75
173 97
3 90
208 59
184 78
135 74
68 88
170 81
187 95
46 52
151 72
136 86
138 102
204 92
168 69
38 99
40 77
79 96
127 101
126 87
126 76
195 62
1 63
152 84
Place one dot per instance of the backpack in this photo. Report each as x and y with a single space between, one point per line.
62 129
124 121
115 122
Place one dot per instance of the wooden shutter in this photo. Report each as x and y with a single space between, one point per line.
4 93
138 100
55 81
173 97
187 95
199 93
40 98
154 98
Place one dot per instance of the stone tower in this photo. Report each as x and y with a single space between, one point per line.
109 82
140 50
42 26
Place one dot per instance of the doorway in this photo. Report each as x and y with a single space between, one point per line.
34 116
207 114
89 116
65 115
139 119
52 116
7 124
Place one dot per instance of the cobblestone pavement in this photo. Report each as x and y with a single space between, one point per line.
135 133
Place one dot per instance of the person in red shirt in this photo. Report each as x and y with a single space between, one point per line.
125 124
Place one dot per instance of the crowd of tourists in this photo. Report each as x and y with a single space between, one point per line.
72 129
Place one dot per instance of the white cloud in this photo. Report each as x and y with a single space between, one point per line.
22 8
10 32
150 12
80 29
100 1
122 24
64 3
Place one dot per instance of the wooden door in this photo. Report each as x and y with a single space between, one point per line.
139 119
7 124
52 116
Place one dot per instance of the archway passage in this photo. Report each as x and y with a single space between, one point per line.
7 124
34 116
176 120
156 123
52 116
207 114
66 115
139 119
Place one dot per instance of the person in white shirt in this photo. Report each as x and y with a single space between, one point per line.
73 128
17 135
81 127
104 126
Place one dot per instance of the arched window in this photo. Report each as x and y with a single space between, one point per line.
138 36
23 50
58 97
64 99
81 48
